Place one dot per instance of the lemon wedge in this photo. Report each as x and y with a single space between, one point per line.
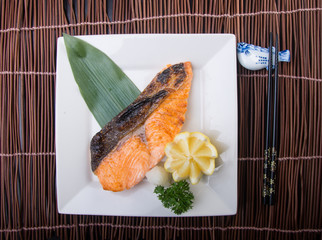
190 154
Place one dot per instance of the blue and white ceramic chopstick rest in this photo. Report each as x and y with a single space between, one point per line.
255 58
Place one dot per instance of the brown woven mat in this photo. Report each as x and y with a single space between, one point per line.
28 34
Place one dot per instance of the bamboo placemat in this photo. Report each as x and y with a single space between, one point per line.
28 34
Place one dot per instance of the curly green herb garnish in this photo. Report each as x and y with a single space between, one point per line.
178 197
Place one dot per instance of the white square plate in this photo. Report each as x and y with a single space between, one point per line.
212 109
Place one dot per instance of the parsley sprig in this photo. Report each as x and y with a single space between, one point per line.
178 197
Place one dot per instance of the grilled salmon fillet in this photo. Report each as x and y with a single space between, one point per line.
133 142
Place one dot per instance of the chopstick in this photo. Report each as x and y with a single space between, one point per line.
274 151
267 153
270 152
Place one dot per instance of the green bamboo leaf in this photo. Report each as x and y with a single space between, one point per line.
104 86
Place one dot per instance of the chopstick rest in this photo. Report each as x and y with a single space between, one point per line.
254 57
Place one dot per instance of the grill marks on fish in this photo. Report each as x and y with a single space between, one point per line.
137 112
125 122
133 142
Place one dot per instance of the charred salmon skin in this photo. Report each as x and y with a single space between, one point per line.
133 142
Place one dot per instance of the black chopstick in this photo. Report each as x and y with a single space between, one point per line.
274 151
267 153
270 152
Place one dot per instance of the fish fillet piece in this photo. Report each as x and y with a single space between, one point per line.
133 142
